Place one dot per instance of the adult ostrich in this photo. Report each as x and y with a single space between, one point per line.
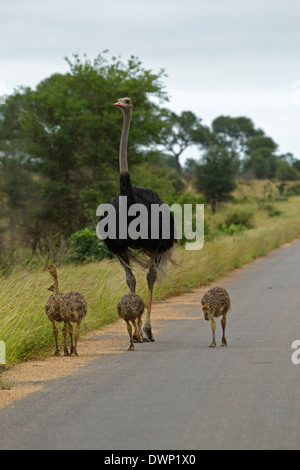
151 252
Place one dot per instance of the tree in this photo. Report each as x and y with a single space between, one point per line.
215 176
288 157
190 167
18 188
72 135
261 158
286 172
233 134
264 163
180 132
296 164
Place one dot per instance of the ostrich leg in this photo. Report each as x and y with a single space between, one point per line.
130 279
151 278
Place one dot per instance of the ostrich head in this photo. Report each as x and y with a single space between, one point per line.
51 288
207 313
125 104
51 269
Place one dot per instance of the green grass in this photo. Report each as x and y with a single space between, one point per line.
26 330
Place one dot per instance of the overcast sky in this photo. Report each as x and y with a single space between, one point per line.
230 57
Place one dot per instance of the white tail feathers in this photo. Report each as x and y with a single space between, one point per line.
159 261
167 258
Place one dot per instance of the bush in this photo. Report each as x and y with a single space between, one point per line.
243 218
286 172
241 200
188 198
86 246
274 212
232 229
293 190
271 210
236 222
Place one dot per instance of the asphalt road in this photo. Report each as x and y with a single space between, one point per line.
178 394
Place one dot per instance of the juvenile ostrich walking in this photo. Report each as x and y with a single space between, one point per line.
154 252
131 308
216 303
68 308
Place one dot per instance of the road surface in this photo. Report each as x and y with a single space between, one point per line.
178 394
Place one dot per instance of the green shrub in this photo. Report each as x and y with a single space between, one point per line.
86 246
237 222
271 210
232 229
274 212
293 190
243 218
188 198
241 200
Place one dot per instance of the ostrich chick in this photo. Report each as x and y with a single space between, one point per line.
131 308
216 303
68 308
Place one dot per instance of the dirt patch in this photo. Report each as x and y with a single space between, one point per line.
28 377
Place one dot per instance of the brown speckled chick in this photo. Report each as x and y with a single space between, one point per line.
68 308
131 308
216 303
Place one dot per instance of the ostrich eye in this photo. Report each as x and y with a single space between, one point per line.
127 102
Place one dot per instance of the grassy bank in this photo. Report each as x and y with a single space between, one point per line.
26 331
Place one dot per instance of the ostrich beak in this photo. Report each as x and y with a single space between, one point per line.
119 104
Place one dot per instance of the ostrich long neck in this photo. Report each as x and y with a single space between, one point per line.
123 143
55 282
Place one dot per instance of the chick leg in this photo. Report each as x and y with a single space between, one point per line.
129 329
55 334
70 331
137 338
213 328
223 323
76 337
140 328
65 334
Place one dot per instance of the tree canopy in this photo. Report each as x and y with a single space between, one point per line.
181 131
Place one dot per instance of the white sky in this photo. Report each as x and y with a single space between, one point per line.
231 57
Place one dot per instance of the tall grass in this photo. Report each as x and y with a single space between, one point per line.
26 330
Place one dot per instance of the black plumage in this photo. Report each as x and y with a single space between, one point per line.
148 246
